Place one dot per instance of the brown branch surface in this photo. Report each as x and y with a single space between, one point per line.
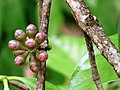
39 11
44 19
44 13
95 74
18 85
94 30
41 77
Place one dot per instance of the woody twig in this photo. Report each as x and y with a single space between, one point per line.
94 30
95 74
43 15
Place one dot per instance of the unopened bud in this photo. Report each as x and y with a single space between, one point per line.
34 63
18 52
30 44
44 44
40 37
19 60
42 55
20 35
31 31
14 45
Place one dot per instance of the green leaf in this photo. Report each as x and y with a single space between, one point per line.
65 53
63 57
30 82
107 14
56 17
50 86
82 77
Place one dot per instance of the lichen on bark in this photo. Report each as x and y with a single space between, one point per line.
89 24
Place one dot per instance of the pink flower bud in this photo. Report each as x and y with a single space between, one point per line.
42 55
14 45
34 63
18 32
30 44
31 30
40 37
20 35
19 60
44 44
31 27
34 66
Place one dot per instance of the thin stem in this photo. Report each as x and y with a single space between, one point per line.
11 80
44 20
5 83
18 85
41 77
43 14
39 11
95 74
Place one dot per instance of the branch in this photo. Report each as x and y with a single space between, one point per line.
39 11
94 30
44 21
95 74
18 85
43 26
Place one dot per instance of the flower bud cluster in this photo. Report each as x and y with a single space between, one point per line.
32 41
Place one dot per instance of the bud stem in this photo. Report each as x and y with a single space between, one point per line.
5 82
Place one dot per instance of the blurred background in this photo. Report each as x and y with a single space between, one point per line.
64 35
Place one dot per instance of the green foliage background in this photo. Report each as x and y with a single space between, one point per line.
67 51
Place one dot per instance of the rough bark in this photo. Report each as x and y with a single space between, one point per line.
41 77
39 11
95 74
43 16
94 30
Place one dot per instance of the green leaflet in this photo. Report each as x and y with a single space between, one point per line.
82 78
30 82
107 14
65 53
